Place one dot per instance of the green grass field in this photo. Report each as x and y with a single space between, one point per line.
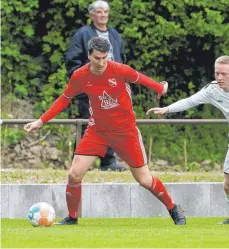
117 233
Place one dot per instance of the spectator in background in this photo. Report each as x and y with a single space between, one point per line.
215 93
77 56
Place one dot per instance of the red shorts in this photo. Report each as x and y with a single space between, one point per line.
128 145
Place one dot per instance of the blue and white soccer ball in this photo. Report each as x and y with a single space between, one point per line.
41 214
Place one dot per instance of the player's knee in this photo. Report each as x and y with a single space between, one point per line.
74 175
145 183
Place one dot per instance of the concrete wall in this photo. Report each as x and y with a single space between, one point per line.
116 200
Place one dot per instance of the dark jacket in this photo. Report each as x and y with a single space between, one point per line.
77 52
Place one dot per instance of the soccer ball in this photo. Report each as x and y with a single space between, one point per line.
41 214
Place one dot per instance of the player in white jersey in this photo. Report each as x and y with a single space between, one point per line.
215 93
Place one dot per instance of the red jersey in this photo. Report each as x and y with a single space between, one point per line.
109 95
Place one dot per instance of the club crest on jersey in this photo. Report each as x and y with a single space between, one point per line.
107 102
112 82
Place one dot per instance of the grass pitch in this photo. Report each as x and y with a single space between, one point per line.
117 233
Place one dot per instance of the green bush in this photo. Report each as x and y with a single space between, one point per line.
11 136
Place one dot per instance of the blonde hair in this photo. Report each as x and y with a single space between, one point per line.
222 59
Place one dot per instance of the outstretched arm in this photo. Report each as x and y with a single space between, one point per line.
132 76
160 88
201 97
57 107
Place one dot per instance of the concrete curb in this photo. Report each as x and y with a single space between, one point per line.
116 200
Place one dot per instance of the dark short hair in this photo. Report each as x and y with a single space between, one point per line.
99 44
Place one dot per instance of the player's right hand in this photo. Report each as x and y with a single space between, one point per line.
33 126
165 85
158 110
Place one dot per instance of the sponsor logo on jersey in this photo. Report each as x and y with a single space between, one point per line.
112 82
107 102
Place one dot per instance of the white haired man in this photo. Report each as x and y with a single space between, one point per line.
77 56
215 93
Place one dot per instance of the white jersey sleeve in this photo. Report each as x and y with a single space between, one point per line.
210 94
201 97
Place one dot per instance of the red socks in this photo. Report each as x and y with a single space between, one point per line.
159 191
73 196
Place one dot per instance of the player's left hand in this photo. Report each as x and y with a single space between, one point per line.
166 85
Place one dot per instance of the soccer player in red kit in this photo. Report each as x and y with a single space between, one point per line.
112 124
